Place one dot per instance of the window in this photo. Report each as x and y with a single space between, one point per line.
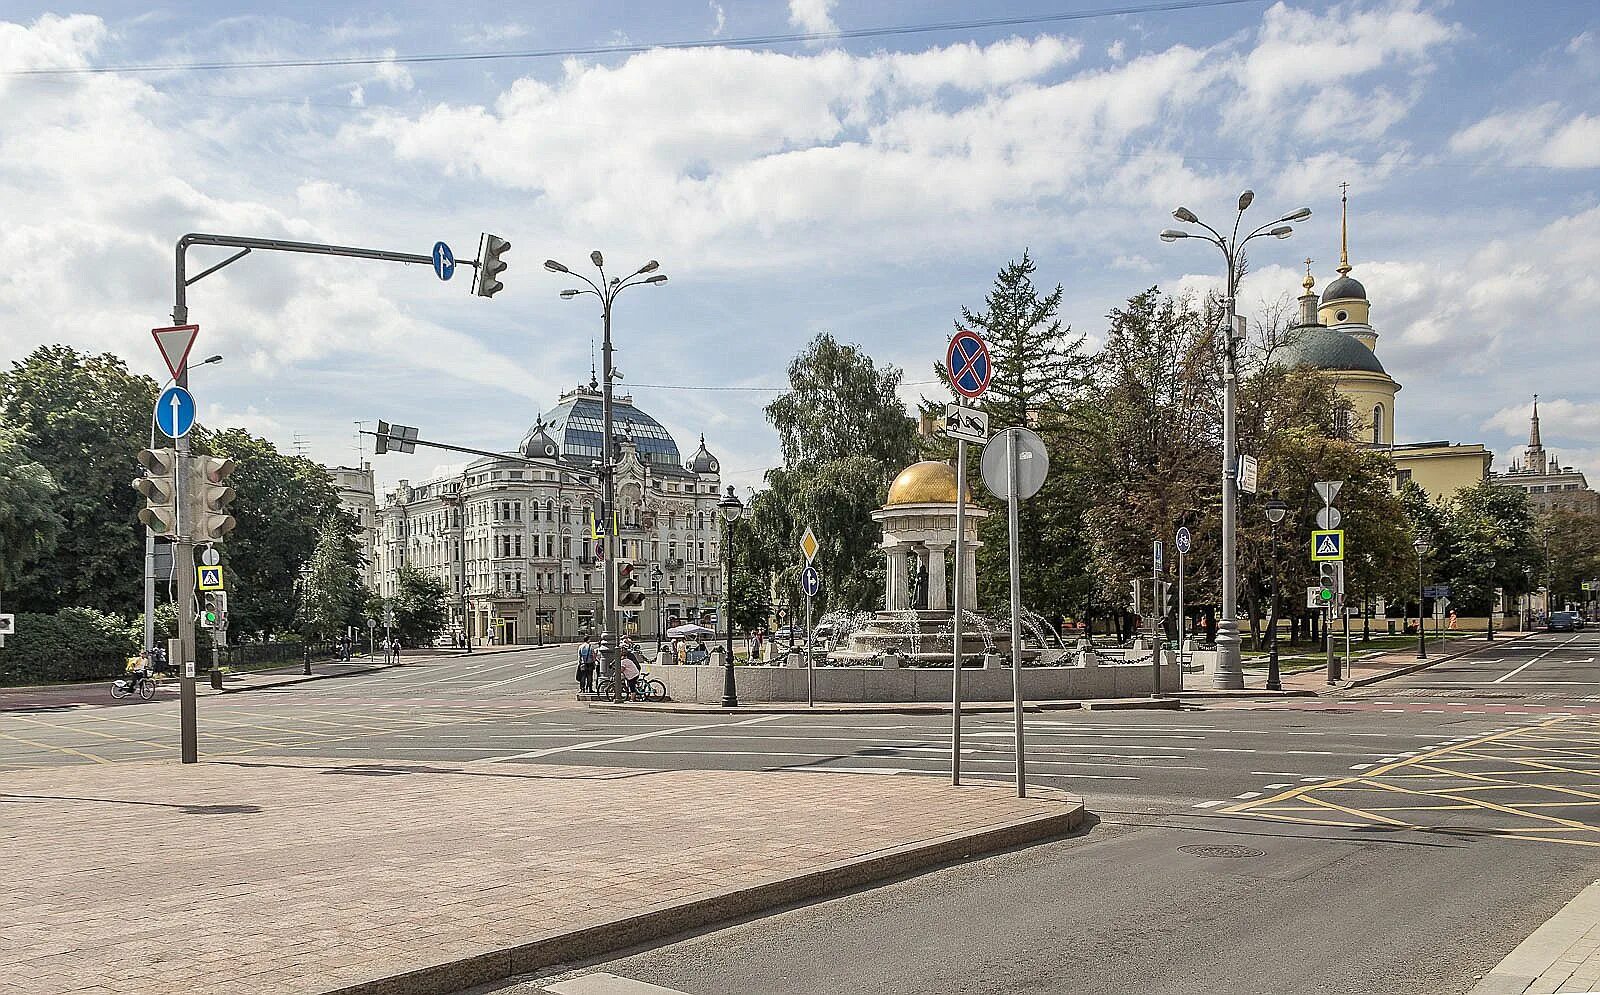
1377 424
1402 476
1342 316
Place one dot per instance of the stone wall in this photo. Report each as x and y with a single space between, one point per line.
756 684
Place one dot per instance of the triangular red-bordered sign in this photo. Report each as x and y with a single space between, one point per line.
175 344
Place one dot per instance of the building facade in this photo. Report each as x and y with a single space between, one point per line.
358 496
515 539
1336 337
1549 485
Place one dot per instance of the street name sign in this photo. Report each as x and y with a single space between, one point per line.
1248 477
1155 553
208 578
809 545
968 364
961 422
175 412
175 343
1327 545
444 261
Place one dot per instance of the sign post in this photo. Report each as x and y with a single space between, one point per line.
1184 542
967 362
810 583
1327 551
1156 626
1013 470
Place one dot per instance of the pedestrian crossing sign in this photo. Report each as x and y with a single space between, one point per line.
1327 545
208 578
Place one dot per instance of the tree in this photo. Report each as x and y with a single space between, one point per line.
1492 540
1571 541
281 505
84 418
418 606
334 592
840 403
29 523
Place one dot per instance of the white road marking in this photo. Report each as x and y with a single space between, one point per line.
1202 804
1248 795
593 744
1269 786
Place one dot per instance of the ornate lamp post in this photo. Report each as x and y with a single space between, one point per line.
1421 545
1230 669
661 629
1275 509
607 291
731 508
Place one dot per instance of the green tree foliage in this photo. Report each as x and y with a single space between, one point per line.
84 418
840 403
1490 538
282 503
334 592
837 499
75 644
1571 540
418 606
29 522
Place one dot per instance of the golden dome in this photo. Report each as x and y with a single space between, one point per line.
928 482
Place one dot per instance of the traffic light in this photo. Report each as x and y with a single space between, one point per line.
491 265
629 595
1166 598
206 498
399 438
1329 581
215 614
160 490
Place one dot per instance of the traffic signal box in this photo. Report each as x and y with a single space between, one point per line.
629 592
160 490
207 497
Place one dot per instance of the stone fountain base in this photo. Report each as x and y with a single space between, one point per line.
919 638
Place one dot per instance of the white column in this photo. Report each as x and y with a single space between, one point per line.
938 582
894 579
969 577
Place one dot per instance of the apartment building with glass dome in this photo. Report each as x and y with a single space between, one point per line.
512 538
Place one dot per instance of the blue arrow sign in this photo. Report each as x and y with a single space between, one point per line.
444 261
810 581
175 412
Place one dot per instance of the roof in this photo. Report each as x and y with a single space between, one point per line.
575 425
1322 348
928 482
1344 288
702 461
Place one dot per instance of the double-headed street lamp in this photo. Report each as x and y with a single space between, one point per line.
731 508
607 290
1229 672
1421 545
1276 509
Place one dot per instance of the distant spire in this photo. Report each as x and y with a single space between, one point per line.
1533 432
594 378
1344 229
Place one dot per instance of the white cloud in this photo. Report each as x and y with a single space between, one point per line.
813 16
358 96
1546 135
1559 418
721 17
1115 50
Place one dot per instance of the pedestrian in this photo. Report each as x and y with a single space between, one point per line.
585 667
1452 618
394 648
677 650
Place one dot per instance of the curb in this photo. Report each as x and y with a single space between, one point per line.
907 708
1546 950
1219 694
303 679
1415 667
669 919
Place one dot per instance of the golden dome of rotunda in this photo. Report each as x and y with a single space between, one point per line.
928 482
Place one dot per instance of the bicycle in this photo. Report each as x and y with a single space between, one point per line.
137 682
644 689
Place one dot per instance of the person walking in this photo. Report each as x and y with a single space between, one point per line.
585 667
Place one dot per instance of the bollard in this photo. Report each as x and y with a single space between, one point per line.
308 661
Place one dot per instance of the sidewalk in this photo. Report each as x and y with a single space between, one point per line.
884 707
272 877
1563 955
1363 670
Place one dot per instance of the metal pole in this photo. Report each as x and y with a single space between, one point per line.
1492 601
811 686
1157 629
1422 639
1274 675
149 589
608 635
730 690
1230 669
1344 609
955 614
183 555
1016 611
1181 621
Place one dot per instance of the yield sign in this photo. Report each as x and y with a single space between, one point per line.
175 344
1328 489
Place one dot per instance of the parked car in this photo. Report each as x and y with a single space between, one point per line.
1563 622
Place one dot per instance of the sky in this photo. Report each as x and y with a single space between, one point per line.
867 179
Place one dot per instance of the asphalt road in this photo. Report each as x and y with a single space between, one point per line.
1397 838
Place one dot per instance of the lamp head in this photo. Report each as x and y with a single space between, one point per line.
567 294
596 258
658 278
1173 234
1245 199
730 506
555 267
649 267
1185 215
1282 231
1276 509
1300 215
1421 545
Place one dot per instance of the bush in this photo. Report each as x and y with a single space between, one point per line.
75 644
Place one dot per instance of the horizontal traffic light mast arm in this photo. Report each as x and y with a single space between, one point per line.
180 308
576 480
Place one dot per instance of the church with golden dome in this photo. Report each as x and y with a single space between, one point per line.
1335 336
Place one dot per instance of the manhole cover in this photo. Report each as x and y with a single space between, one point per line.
1221 850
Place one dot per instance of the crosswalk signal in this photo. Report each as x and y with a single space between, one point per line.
160 490
491 265
1329 580
208 497
215 614
629 593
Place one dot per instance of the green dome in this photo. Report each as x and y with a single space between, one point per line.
1322 348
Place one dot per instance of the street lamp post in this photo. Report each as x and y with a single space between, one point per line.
1493 601
607 291
1276 509
1229 673
731 508
661 630
1420 544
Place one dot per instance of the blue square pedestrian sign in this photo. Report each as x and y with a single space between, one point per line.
208 578
1327 545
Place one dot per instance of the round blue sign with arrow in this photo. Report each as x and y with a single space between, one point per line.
968 364
175 412
444 261
810 581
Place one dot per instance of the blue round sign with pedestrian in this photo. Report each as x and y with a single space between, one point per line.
444 261
810 581
1185 541
968 364
175 412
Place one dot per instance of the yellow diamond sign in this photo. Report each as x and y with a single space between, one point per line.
809 545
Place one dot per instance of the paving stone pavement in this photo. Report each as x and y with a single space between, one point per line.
1563 955
294 876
